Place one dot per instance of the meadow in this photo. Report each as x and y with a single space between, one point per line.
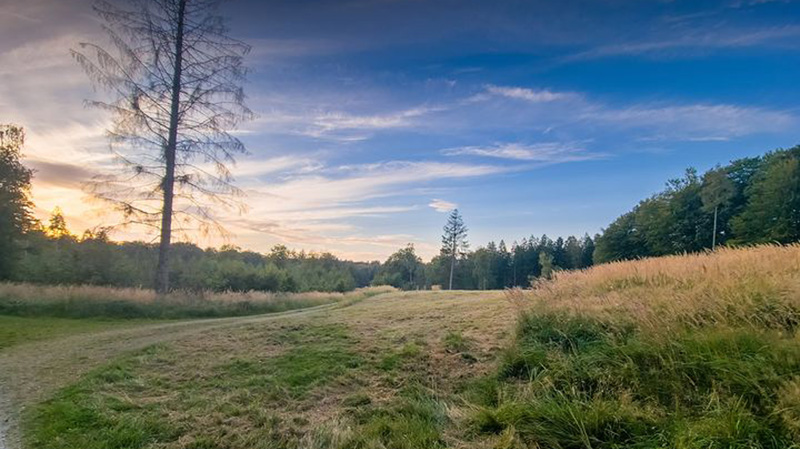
87 301
695 351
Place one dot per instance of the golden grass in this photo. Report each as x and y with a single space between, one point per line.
754 286
87 301
32 292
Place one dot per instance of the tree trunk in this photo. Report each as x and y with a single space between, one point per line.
168 186
714 237
452 267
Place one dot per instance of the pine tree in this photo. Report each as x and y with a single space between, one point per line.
454 241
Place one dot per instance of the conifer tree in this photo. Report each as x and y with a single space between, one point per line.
454 241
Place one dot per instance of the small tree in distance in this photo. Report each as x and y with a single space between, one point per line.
454 241
403 269
175 76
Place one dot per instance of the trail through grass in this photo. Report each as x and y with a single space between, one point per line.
18 330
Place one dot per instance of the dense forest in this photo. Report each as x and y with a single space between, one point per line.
754 200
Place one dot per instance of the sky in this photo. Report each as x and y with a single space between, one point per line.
374 118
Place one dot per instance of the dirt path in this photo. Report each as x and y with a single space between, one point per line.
31 372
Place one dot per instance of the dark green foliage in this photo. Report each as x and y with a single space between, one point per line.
15 204
495 267
95 260
756 200
578 382
772 213
403 269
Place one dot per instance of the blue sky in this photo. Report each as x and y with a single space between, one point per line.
377 116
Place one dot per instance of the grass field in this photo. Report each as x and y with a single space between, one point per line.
681 352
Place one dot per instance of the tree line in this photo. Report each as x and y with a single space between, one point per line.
49 254
749 201
494 266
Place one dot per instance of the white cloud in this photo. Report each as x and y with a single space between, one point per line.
442 205
531 95
352 127
550 152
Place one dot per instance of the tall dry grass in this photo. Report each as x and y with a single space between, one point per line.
757 286
92 301
693 352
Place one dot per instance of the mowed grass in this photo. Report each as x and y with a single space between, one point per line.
18 330
255 389
364 376
255 399
128 303
683 352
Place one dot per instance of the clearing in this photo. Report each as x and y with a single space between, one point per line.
689 352
299 378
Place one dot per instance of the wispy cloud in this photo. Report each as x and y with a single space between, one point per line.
318 209
327 123
694 121
521 93
549 152
354 183
689 42
331 123
278 165
442 205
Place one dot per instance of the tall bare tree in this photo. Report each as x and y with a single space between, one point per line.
175 81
